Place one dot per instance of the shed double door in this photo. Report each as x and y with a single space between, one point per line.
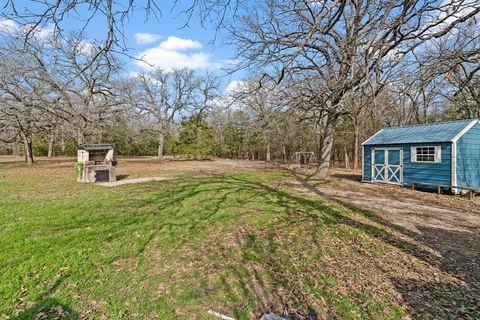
387 165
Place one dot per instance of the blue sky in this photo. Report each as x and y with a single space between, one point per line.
165 42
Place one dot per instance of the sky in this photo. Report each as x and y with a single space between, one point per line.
166 41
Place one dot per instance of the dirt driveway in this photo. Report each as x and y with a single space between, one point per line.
445 230
413 210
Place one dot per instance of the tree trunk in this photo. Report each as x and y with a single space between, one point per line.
326 147
29 152
50 146
161 142
80 136
15 148
27 142
284 153
62 144
267 153
346 157
356 140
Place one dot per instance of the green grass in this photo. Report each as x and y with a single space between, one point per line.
235 243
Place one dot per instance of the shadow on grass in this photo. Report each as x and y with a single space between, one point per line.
217 201
348 176
189 209
47 307
171 214
459 256
190 160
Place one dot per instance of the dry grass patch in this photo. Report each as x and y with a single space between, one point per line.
237 241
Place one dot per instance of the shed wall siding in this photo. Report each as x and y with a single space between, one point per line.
468 158
367 163
437 173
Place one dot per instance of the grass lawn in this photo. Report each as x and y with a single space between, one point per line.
240 243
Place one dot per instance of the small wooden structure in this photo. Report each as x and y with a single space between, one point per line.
304 158
96 163
438 156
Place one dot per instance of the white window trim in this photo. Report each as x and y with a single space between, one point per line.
454 152
437 156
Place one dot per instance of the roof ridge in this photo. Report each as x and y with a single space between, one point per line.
430 124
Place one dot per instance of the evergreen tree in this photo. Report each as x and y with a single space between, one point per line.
196 138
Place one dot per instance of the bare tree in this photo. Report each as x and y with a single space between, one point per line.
261 106
86 90
57 81
456 59
52 14
161 96
24 102
111 15
343 45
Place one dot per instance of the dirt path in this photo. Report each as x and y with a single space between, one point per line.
444 235
404 211
131 181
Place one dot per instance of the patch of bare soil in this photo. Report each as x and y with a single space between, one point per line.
132 167
443 231
144 167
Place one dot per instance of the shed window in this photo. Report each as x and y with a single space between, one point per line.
426 154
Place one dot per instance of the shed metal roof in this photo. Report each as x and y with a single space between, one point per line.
99 146
424 133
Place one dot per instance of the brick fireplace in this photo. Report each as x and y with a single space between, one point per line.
96 163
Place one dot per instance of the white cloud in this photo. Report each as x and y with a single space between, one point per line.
449 12
179 44
146 38
235 86
177 53
8 26
46 33
87 47
395 55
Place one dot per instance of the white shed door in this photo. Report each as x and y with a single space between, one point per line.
387 165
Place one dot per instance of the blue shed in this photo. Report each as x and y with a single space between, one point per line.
445 153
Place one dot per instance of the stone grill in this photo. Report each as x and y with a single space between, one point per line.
96 163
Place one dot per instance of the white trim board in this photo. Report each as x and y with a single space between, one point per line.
464 130
364 142
363 161
454 165
453 160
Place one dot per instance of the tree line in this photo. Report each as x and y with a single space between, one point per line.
320 77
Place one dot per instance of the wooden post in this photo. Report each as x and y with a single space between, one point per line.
413 185
471 194
346 157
